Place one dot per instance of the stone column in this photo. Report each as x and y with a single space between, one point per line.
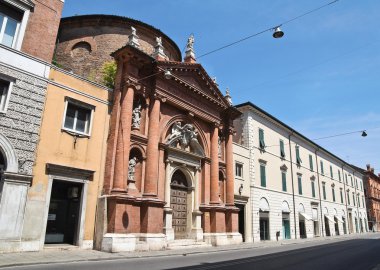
123 140
152 151
214 170
229 170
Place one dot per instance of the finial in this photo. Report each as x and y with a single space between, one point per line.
133 38
228 96
159 50
189 53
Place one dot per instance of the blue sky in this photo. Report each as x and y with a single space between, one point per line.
321 78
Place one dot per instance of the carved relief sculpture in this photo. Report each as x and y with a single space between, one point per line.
131 168
186 136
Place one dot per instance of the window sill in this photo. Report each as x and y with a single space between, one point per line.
75 133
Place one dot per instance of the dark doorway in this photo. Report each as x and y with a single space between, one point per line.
344 225
241 220
62 224
178 202
302 228
327 226
336 226
264 228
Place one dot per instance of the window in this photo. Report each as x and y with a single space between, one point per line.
339 177
357 196
324 190
311 163
322 170
331 172
313 189
352 183
239 170
282 149
5 92
353 198
263 176
341 195
261 139
10 20
348 197
78 117
333 193
283 176
299 185
298 158
346 179
361 185
356 182
363 201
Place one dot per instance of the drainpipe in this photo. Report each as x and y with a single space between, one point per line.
294 202
345 192
319 192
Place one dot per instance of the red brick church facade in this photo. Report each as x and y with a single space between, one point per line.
169 159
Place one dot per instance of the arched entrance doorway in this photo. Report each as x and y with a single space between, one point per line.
179 203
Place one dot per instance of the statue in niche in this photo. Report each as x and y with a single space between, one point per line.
136 117
219 146
131 168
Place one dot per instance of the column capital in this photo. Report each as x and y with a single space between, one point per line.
131 82
160 97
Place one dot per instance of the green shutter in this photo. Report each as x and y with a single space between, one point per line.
331 172
298 158
333 194
261 139
358 200
283 181
348 198
263 177
313 189
299 185
340 179
311 162
341 196
324 191
353 198
346 178
322 170
282 149
352 183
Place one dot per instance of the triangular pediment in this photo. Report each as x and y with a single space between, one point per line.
195 78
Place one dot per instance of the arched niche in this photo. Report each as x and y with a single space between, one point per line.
137 154
139 113
222 186
9 155
285 207
301 208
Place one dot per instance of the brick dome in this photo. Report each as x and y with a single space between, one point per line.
85 42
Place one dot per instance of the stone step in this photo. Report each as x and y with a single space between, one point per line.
186 244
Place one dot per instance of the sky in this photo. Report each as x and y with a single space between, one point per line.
321 78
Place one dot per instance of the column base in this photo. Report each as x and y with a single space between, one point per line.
216 239
113 242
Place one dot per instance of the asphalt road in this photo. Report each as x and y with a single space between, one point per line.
358 254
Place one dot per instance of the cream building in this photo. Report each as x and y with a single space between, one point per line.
298 189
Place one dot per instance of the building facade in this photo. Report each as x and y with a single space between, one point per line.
372 196
298 189
23 83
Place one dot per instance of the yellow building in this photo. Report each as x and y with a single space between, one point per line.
70 162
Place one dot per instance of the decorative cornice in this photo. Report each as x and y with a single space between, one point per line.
62 170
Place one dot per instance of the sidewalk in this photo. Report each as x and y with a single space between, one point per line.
49 255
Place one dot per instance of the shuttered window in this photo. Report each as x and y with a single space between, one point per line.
311 163
282 149
333 193
331 172
283 176
261 139
263 176
298 158
322 170
299 185
324 190
313 189
341 196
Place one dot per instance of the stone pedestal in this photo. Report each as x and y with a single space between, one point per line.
123 214
113 242
196 230
168 226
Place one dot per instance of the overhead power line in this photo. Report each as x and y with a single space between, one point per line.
253 35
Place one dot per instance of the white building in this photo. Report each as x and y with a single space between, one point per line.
298 189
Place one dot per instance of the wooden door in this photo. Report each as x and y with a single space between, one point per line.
178 203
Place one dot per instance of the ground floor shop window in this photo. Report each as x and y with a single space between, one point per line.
264 226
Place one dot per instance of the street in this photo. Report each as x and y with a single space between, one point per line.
360 254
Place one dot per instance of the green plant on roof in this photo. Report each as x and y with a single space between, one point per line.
109 73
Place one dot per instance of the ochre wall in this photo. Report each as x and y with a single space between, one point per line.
57 147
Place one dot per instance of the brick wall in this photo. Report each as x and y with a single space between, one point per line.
41 31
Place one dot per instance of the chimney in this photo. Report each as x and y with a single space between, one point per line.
189 53
372 170
368 167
